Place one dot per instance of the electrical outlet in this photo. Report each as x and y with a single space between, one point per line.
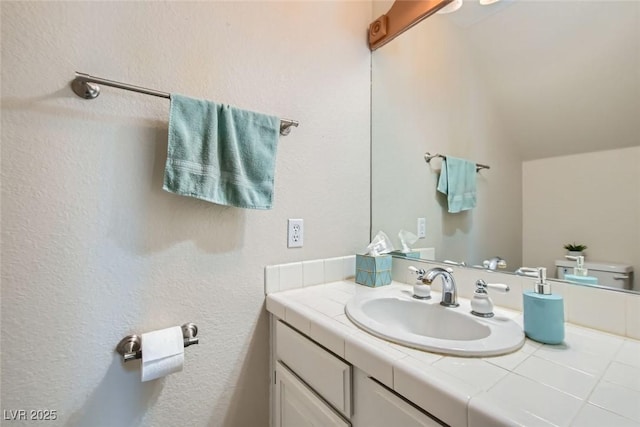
295 233
422 228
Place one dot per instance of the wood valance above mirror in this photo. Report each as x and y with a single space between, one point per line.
402 15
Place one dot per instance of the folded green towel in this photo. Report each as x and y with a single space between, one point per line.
458 182
220 153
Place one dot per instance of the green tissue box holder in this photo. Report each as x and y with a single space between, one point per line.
373 271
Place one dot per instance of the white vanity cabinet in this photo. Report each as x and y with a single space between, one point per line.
314 387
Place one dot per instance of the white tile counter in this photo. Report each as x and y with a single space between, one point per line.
593 379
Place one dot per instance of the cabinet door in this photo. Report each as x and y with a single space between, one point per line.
297 406
376 406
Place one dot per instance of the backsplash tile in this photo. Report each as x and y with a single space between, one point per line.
284 277
333 269
597 309
313 272
633 316
290 276
349 265
271 279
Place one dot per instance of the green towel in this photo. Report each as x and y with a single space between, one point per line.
458 182
220 153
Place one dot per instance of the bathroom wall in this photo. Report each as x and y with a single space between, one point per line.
93 249
427 96
589 198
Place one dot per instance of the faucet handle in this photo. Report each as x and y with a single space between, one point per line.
481 304
481 286
419 271
528 271
420 288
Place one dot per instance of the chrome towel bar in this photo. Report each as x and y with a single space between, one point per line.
86 86
428 157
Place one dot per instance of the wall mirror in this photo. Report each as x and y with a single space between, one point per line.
545 93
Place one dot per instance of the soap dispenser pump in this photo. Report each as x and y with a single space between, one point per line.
543 311
579 269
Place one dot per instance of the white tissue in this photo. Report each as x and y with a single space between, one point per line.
407 238
162 353
381 244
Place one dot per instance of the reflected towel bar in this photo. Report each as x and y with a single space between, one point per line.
86 86
428 157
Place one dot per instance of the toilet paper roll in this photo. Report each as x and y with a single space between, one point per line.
162 353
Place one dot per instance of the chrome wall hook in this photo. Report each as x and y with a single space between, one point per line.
130 347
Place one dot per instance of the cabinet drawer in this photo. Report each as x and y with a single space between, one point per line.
329 376
376 406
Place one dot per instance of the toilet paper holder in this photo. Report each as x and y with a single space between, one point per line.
129 346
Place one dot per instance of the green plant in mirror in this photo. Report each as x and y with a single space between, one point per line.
574 247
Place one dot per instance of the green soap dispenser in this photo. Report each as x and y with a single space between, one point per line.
543 311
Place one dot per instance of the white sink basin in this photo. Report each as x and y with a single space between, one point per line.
395 316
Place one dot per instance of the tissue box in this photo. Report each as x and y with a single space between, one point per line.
373 271
412 254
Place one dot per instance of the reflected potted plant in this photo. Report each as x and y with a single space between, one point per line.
575 249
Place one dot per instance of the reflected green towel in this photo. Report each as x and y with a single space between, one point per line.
220 153
458 182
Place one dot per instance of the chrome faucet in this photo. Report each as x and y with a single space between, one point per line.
449 291
494 263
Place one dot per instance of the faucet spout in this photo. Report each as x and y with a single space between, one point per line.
494 263
449 290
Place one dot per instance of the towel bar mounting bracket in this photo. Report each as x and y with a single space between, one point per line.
84 89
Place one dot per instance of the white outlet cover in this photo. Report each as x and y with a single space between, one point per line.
422 228
295 233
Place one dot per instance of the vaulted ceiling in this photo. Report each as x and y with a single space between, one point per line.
564 75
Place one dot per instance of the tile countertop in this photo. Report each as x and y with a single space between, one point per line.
592 379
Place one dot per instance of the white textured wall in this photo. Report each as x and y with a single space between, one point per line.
590 198
93 249
428 96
